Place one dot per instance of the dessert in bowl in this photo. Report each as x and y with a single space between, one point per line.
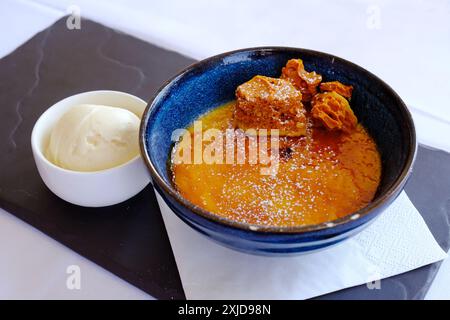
347 144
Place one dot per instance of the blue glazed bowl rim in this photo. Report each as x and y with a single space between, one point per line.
382 200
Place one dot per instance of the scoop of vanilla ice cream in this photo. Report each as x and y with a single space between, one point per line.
94 137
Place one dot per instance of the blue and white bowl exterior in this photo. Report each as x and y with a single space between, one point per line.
213 81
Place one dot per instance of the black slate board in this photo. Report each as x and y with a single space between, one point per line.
130 239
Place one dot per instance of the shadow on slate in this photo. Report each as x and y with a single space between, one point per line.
130 239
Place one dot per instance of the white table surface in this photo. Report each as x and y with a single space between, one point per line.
407 43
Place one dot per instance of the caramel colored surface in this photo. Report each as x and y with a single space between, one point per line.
322 176
264 102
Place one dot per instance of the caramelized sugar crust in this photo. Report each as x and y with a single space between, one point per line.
303 80
322 176
333 111
340 88
270 103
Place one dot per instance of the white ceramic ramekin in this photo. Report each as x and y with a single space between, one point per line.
89 189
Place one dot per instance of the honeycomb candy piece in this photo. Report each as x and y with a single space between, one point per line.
270 103
303 80
333 111
338 87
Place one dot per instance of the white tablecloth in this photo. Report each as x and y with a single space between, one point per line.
407 43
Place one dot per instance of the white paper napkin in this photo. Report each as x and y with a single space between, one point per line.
398 241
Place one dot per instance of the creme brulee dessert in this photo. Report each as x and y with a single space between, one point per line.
329 166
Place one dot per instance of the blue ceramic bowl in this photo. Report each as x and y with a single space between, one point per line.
212 82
